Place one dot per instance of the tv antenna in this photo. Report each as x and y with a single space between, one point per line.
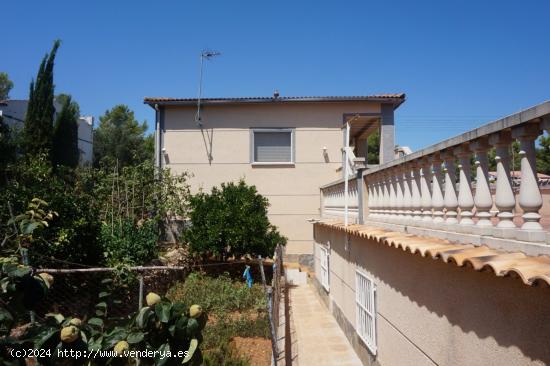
206 54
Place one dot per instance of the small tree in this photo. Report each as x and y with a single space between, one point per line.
120 137
373 143
5 86
65 138
7 147
40 112
232 221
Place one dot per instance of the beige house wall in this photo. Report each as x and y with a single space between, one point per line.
432 313
293 191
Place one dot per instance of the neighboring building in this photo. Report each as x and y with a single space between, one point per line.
86 139
13 113
285 146
410 282
401 151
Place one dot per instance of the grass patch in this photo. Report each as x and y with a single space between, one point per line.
234 310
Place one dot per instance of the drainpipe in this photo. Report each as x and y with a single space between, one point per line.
346 176
158 156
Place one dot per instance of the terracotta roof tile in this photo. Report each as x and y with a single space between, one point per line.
531 270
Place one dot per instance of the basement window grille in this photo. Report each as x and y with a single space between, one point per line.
365 310
325 268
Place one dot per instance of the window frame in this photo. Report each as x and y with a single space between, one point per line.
273 130
325 270
362 311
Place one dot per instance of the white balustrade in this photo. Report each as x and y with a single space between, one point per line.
437 195
425 178
399 198
407 197
433 188
334 201
393 198
450 199
482 199
530 198
505 199
416 200
465 197
386 198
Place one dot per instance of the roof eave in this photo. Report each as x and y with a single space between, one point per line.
396 101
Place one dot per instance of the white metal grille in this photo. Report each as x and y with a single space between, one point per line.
325 268
365 310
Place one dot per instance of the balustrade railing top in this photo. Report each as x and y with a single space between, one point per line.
533 114
432 188
438 191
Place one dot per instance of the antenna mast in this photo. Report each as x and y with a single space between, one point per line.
206 54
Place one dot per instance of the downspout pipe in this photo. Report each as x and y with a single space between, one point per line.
346 172
158 157
346 177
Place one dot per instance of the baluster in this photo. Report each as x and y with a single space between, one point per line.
482 199
465 197
386 194
504 196
450 199
407 197
371 197
425 179
530 198
376 197
393 197
437 194
399 195
415 192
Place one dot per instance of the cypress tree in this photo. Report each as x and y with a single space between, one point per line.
38 128
65 136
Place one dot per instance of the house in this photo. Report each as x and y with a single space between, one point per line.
429 271
284 146
13 112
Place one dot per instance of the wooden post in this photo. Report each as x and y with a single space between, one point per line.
269 296
140 302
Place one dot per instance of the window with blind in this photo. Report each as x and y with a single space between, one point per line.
272 146
365 310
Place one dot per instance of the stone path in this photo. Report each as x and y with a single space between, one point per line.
318 338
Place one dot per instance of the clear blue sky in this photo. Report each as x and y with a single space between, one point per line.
461 63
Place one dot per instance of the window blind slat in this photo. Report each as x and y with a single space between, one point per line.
272 147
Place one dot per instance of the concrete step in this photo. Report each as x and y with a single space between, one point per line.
295 277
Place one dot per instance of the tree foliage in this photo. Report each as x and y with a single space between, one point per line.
373 146
8 147
5 86
72 235
232 221
121 138
40 112
65 137
543 155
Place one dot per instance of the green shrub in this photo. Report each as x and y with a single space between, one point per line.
232 221
128 242
235 311
224 355
71 235
219 295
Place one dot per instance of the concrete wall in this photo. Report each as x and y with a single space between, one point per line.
432 313
292 190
